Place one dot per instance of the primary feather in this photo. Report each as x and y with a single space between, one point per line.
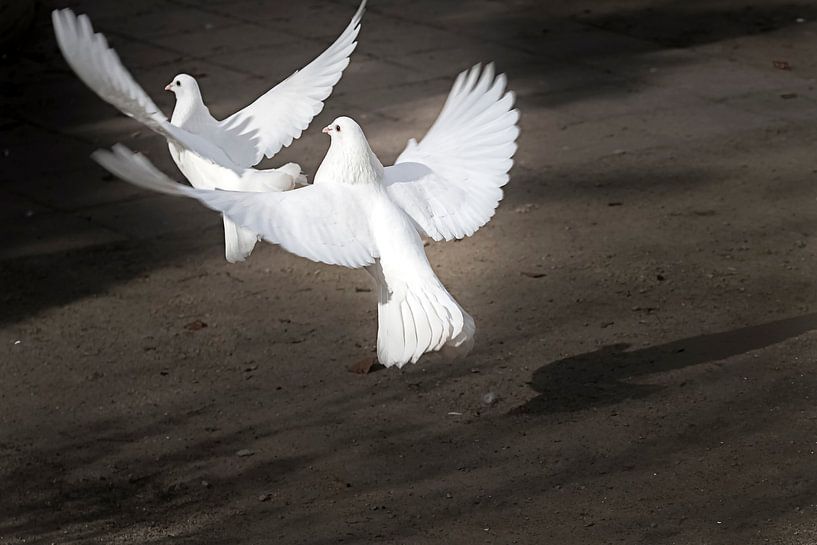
309 221
292 103
451 182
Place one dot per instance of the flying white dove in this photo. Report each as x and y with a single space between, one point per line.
212 153
359 214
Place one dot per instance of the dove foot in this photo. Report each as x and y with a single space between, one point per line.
365 366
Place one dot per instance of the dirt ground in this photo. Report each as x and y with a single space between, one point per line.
644 296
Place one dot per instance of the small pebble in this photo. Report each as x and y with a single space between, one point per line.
489 399
525 208
244 452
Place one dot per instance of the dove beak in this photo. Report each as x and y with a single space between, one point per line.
327 129
169 87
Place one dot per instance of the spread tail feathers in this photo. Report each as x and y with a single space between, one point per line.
415 318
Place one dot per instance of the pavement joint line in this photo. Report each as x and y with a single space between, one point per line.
56 210
228 15
182 54
372 56
125 200
448 78
659 109
54 131
451 31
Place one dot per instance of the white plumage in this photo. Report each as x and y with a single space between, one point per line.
211 153
359 214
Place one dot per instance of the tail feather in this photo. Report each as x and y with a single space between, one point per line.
294 171
238 242
274 179
414 319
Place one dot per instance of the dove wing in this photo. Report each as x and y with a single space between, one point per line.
96 64
450 183
322 223
281 114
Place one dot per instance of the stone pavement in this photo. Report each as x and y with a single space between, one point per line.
589 84
663 194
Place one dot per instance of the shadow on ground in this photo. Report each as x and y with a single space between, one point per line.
610 374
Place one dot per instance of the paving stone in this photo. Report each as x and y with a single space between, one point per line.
138 55
169 21
224 40
690 24
152 216
708 120
546 144
717 78
448 62
588 103
104 9
271 62
643 66
15 207
384 35
310 19
792 45
75 190
799 106
27 150
51 232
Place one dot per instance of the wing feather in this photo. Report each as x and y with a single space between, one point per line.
450 183
281 114
99 67
321 223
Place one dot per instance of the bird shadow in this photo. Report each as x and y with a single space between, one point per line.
606 376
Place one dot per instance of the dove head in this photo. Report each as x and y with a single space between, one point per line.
184 87
349 159
344 129
189 107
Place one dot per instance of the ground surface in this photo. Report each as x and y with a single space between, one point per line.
645 295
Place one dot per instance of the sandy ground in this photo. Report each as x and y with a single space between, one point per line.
644 296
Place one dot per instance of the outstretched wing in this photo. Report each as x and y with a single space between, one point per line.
450 183
321 223
281 114
96 64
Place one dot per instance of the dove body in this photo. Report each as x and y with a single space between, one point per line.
416 314
191 114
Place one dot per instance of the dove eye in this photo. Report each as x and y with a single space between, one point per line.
337 128
178 83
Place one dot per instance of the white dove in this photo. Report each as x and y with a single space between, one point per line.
359 214
212 153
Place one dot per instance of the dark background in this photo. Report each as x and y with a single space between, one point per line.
644 296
